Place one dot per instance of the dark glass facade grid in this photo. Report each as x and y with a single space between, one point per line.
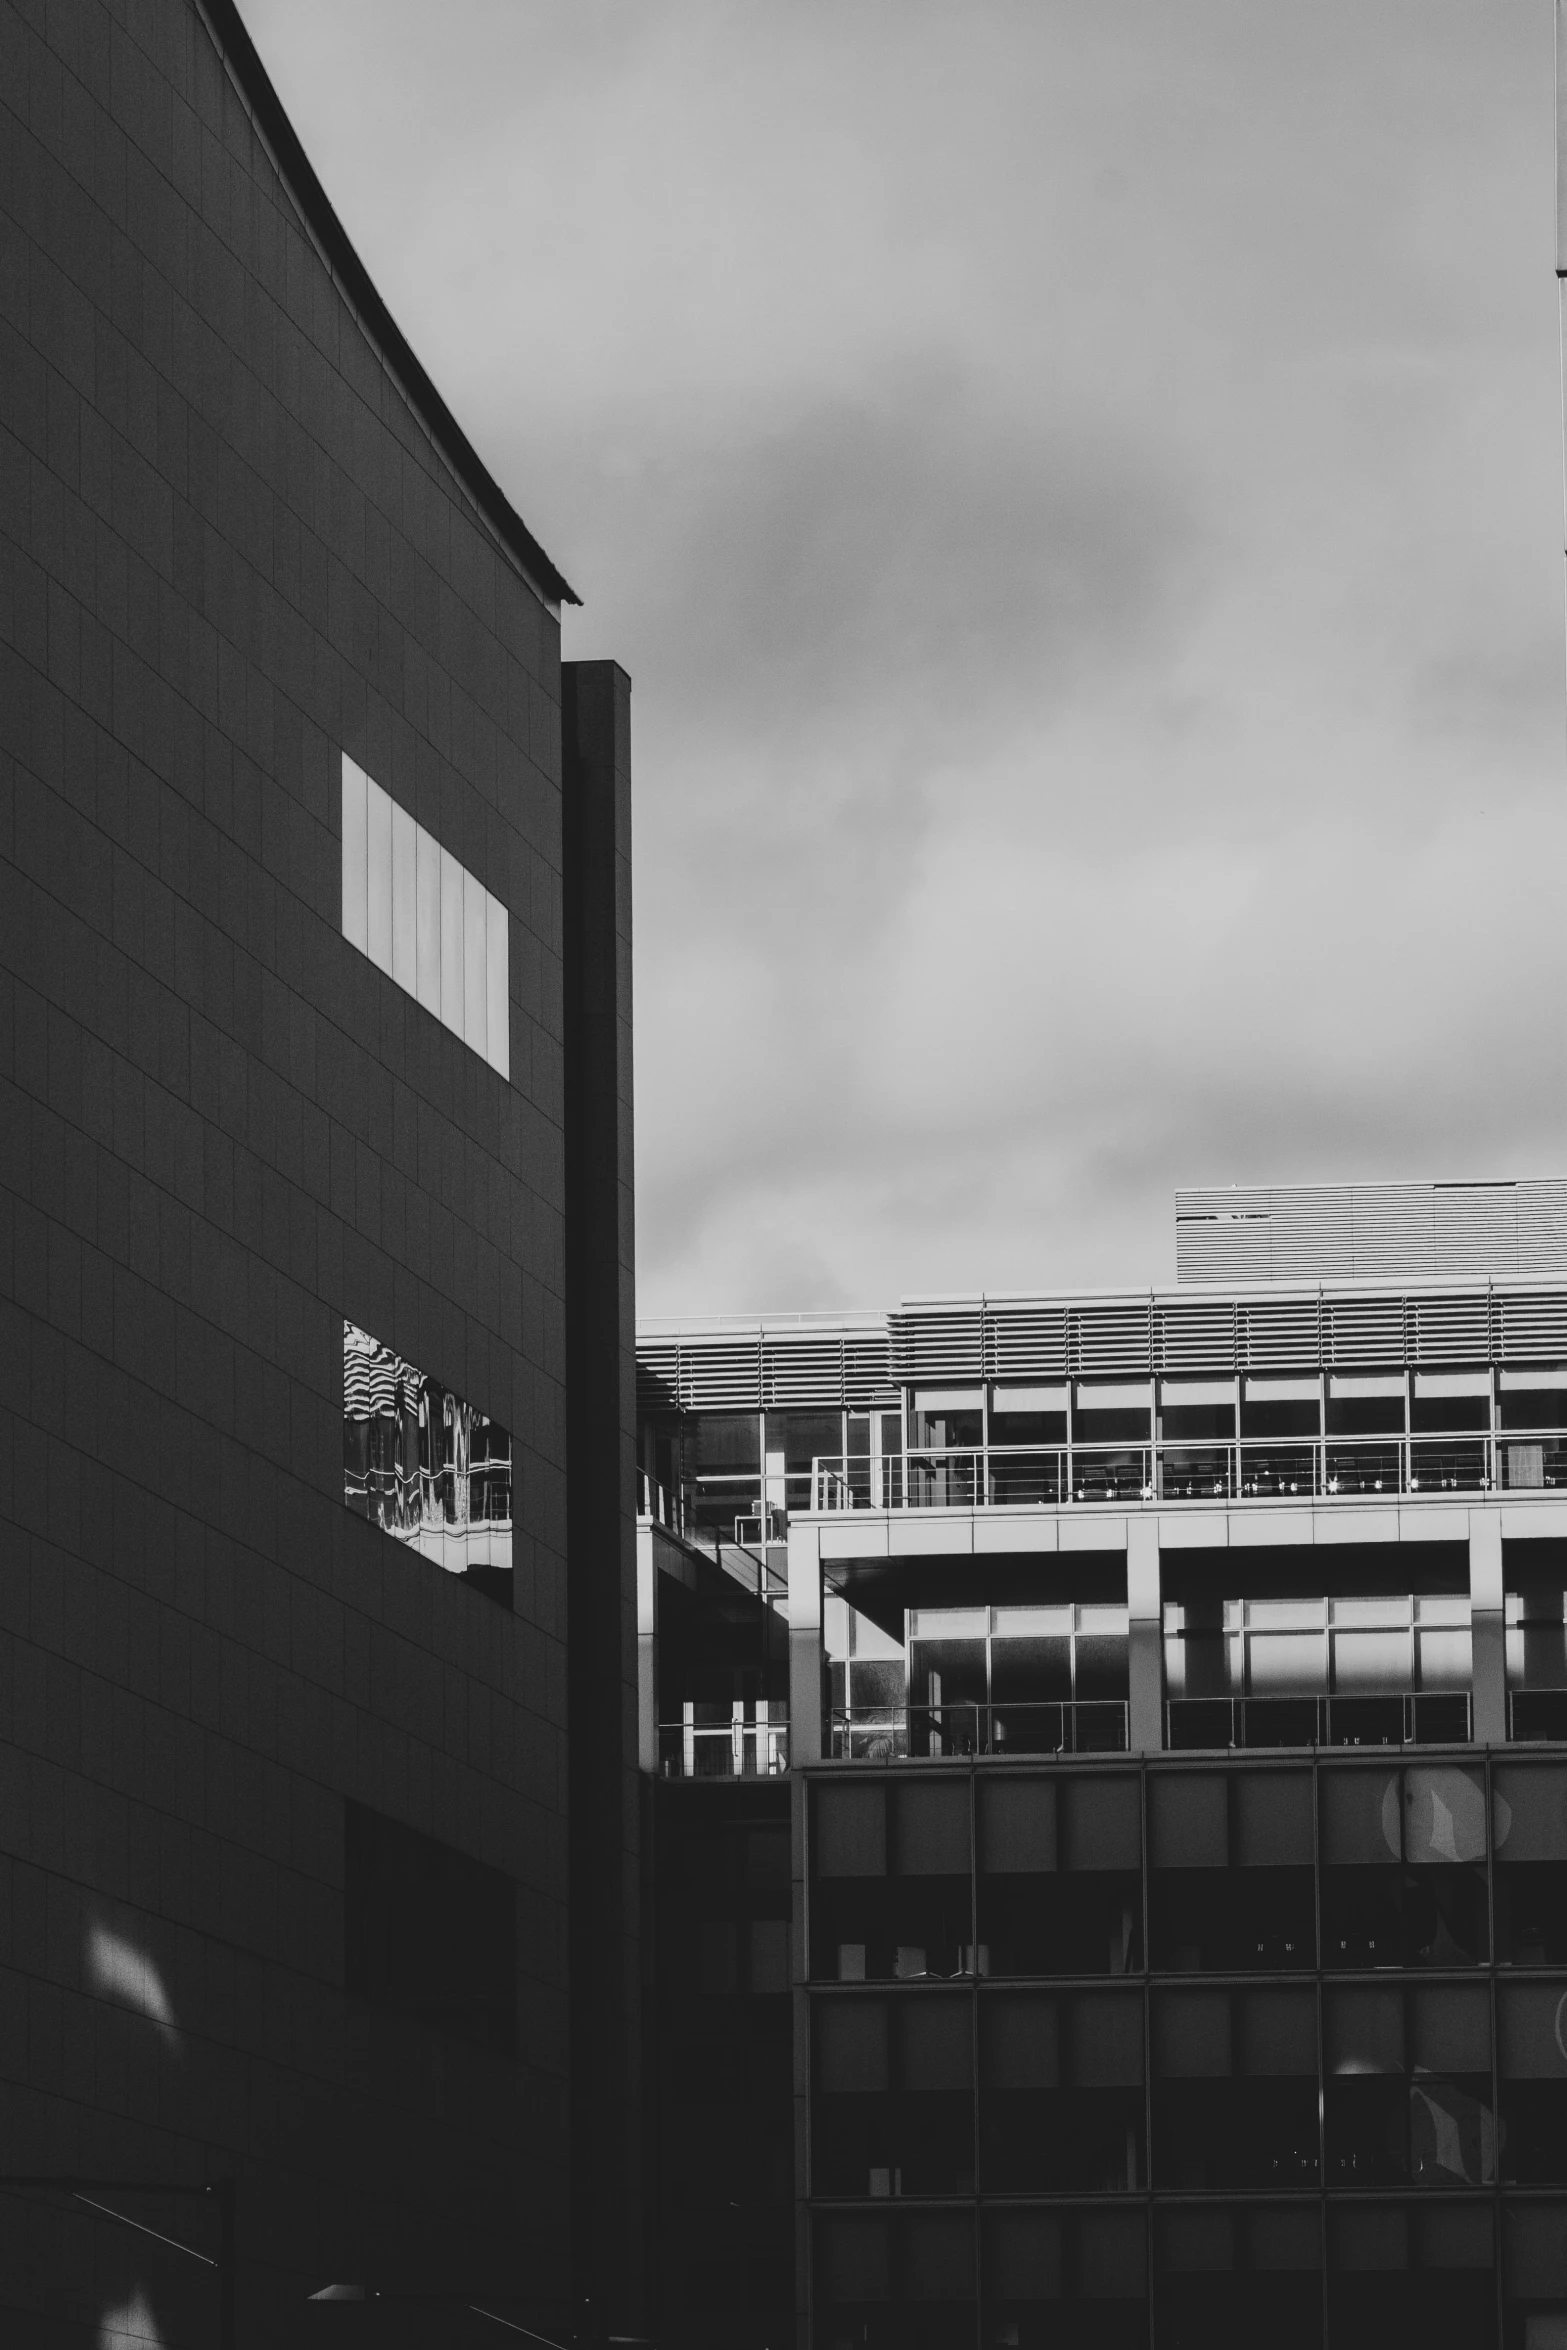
1189 2053
721 2060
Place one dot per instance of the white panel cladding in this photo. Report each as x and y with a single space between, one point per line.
356 859
427 895
1182 1394
496 986
1098 1395
476 965
424 919
1281 1391
405 928
1029 1399
451 934
1371 1231
378 828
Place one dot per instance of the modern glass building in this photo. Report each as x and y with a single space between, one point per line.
1177 1740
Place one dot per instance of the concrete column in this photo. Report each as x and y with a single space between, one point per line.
1488 1626
647 1651
805 1646
603 1702
1145 1635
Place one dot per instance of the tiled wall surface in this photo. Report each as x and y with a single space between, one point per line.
231 554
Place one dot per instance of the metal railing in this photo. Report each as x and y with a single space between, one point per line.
723 1750
894 1733
1424 1717
744 1558
1310 1468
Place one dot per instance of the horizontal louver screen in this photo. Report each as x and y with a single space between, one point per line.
658 1378
725 1375
936 1344
1023 1341
1279 1334
1026 1341
1103 1340
1531 1329
1194 1338
801 1371
1449 1329
867 1372
1372 1232
1362 1330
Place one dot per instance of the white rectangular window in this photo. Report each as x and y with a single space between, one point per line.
424 920
356 860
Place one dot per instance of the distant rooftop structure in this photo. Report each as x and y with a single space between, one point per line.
1246 1233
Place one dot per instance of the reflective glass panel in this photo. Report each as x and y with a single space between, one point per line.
424 1465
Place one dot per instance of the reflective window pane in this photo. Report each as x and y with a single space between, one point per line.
892 1891
1408 2090
1400 2274
1404 1867
893 2110
425 1466
1060 1887
1230 1871
1065 2280
1062 2092
1238 2276
1235 2089
1529 1806
885 2282
1531 2023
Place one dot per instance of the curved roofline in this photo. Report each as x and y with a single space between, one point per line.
294 166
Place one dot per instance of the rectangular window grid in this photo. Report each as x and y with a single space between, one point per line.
1327 2108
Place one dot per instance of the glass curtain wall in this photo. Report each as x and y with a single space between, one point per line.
1330 2104
946 1681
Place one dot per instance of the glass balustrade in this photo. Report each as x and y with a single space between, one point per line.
1262 1469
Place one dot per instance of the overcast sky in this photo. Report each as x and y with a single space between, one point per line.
1077 488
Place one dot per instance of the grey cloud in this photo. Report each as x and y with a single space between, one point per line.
1078 492
917 548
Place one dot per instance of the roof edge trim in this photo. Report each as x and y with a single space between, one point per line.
294 167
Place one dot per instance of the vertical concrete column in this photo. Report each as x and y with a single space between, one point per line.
1145 1634
1488 1626
603 1698
805 1646
647 1651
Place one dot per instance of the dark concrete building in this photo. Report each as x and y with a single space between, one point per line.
319 1813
